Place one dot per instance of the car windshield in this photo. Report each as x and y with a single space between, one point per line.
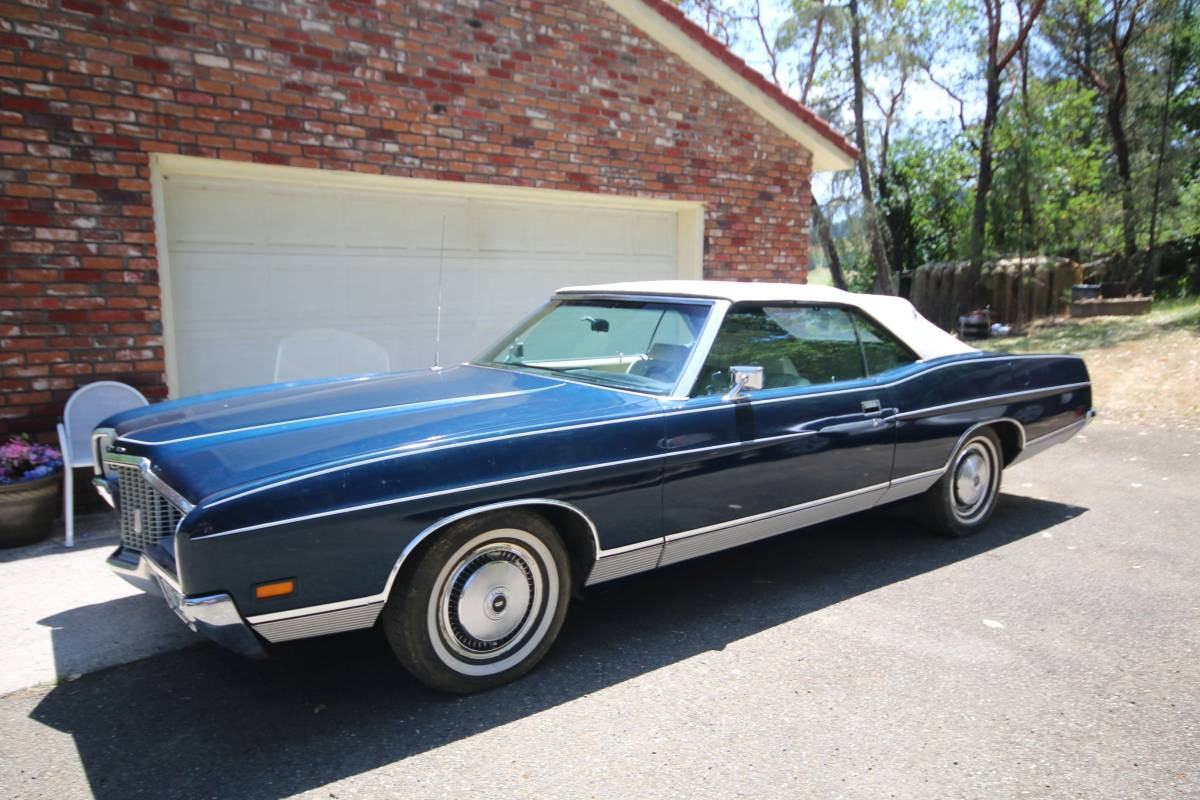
626 344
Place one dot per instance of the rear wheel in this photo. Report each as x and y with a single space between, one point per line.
483 604
963 500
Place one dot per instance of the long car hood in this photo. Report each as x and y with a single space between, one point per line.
213 444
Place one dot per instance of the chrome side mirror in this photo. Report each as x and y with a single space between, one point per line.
743 378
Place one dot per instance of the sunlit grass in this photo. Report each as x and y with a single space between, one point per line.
1065 335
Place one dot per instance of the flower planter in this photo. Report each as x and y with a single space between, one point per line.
27 510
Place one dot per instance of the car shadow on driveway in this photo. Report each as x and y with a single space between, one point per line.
205 722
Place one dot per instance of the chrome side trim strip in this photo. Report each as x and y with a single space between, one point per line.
1029 394
1046 441
1045 392
319 624
361 612
505 481
324 608
702 541
911 485
773 513
416 449
619 562
355 413
637 558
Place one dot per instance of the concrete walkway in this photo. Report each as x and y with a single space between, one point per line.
63 613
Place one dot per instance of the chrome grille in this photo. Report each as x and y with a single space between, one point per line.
146 516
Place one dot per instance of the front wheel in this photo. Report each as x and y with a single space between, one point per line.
963 500
483 604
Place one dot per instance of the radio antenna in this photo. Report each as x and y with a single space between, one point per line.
437 345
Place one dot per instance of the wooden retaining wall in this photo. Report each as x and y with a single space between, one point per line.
1017 290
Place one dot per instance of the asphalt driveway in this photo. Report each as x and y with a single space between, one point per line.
1055 655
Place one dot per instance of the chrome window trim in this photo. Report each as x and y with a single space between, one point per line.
700 350
712 303
644 393
637 298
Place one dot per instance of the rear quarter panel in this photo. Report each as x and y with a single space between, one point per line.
945 399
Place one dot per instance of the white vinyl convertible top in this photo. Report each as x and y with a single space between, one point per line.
895 313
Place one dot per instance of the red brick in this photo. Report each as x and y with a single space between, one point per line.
151 64
428 96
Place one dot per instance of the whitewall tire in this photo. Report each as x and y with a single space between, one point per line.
482 604
963 500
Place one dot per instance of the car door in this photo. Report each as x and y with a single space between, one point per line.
814 443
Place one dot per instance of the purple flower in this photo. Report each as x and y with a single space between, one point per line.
22 460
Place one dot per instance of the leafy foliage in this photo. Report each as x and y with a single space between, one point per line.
1058 186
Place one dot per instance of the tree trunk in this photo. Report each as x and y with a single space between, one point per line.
828 245
1116 127
969 285
883 271
1026 197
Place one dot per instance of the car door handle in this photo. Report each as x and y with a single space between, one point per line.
871 406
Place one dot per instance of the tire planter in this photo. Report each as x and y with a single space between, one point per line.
27 510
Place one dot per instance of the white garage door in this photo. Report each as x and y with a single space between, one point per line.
256 267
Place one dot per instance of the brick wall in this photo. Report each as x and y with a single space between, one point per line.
561 95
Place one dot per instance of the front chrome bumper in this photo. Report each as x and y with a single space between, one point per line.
214 616
130 565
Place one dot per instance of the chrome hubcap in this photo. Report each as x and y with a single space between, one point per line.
486 602
973 480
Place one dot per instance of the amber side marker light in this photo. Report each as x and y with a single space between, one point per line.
274 589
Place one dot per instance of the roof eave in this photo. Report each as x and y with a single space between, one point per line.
668 26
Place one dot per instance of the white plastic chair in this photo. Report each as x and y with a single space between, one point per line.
85 409
325 353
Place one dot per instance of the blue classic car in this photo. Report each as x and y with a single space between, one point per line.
619 429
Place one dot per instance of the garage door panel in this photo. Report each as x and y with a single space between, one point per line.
502 229
210 212
607 232
321 299
301 217
407 222
653 234
245 358
252 263
215 288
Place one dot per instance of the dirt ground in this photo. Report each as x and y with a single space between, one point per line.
1145 370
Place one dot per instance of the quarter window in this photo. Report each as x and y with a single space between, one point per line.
880 349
